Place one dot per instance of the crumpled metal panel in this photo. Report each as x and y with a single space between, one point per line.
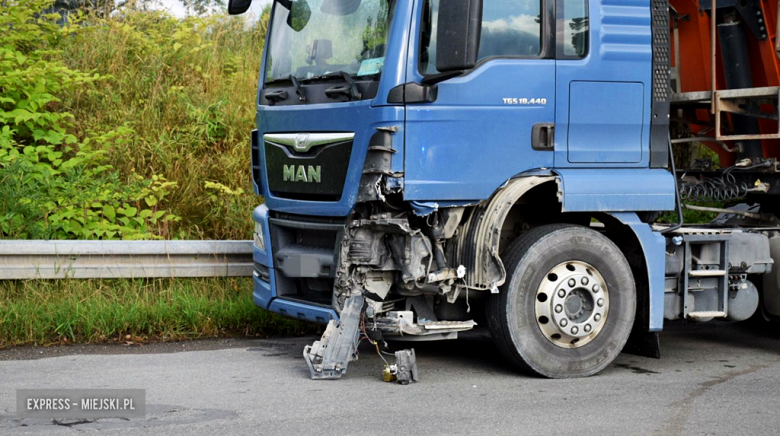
478 249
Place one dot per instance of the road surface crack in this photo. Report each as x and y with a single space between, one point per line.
682 408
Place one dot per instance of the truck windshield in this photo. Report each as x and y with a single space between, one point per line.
311 38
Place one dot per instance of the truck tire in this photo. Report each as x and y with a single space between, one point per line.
568 304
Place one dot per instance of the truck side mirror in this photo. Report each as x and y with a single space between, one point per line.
300 12
457 37
238 7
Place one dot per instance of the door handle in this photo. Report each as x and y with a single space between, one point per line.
543 136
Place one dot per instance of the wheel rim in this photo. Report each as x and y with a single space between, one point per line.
572 304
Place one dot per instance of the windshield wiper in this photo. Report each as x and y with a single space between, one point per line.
282 95
351 90
298 89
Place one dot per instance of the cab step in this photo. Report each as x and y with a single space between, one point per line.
708 273
707 314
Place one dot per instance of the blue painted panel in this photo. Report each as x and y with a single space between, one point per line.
263 257
303 312
620 51
654 248
468 143
264 292
394 69
605 121
616 190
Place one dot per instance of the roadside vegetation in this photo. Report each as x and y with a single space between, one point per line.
134 311
133 125
128 125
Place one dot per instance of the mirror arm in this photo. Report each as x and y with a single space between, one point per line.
440 77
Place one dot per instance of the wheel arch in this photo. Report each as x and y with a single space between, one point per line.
496 221
477 245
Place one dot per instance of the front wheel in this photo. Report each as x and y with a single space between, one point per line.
568 305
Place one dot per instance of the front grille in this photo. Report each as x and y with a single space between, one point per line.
305 252
308 166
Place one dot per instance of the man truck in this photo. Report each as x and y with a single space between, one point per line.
433 165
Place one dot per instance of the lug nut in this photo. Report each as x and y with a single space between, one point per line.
586 328
597 317
564 322
574 330
600 302
561 293
584 281
572 283
558 309
596 288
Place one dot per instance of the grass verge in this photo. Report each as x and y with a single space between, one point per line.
91 311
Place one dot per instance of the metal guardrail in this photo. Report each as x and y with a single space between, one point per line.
37 259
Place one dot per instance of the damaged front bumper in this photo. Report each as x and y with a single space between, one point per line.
265 287
340 272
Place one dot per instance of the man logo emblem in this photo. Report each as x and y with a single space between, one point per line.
301 173
302 142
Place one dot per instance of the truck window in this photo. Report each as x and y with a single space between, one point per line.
575 28
326 40
510 28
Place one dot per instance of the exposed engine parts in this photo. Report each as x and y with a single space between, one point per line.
397 271
391 274
384 250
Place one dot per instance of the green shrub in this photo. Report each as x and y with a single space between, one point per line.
187 87
54 183
110 126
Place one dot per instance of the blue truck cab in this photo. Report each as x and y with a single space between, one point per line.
433 165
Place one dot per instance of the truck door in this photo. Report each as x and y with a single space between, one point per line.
478 132
603 80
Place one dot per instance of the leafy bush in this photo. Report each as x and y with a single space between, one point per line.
187 87
111 125
53 183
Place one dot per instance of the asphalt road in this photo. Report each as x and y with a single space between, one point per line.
715 379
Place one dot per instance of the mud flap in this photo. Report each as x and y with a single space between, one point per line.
645 344
328 358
